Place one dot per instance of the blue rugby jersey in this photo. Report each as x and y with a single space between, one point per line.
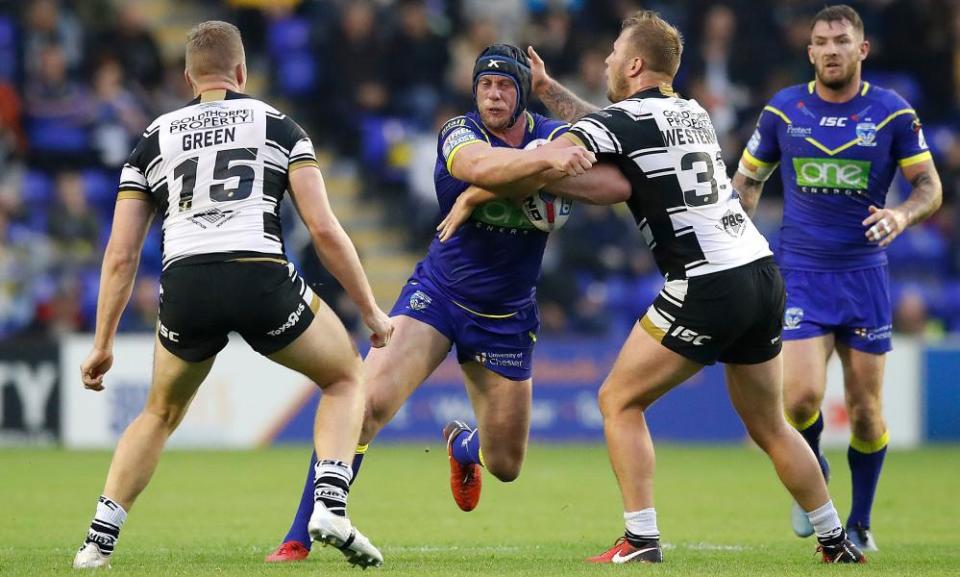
836 159
492 263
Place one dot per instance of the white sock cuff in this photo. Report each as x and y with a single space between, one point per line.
110 511
333 467
642 523
825 520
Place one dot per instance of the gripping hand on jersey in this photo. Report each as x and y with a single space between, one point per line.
885 224
568 160
381 327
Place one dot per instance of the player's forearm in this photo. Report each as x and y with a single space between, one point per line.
116 286
749 190
562 103
475 196
603 184
498 167
524 187
924 199
339 256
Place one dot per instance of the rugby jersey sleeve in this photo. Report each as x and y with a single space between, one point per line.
909 145
763 148
604 131
133 175
454 135
291 141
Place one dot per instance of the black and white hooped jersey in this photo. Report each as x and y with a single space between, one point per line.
216 171
683 202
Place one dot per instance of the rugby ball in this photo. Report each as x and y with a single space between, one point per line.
545 211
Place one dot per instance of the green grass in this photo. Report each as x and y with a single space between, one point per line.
721 513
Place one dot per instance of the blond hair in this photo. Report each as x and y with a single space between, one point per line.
657 41
214 48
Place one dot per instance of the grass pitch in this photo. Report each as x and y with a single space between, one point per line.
721 512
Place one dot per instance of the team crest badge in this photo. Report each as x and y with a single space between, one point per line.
792 318
420 300
867 133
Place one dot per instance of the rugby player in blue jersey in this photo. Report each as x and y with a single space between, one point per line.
838 141
474 290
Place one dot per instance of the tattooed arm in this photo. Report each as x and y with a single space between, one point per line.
562 103
885 224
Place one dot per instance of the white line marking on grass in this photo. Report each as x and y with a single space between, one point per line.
701 546
456 548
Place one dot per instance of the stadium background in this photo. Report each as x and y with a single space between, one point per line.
371 82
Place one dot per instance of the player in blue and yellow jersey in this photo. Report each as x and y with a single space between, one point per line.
474 290
838 141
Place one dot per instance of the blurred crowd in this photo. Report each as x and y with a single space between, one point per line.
373 80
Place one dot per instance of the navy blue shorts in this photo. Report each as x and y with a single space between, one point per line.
852 305
502 343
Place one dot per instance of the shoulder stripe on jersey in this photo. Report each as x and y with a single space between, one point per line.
554 131
278 146
754 160
276 115
866 86
900 112
153 164
625 110
150 133
480 128
273 165
915 159
660 172
613 138
127 194
779 113
456 149
591 141
132 184
646 151
811 85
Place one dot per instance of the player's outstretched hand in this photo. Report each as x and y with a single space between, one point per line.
92 370
885 224
570 160
539 78
381 327
459 214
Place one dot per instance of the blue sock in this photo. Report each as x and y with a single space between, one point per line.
866 461
466 447
811 432
298 529
358 461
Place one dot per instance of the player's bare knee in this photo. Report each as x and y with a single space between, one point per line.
169 415
376 415
610 401
505 468
802 406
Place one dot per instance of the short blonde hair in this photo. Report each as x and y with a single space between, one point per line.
214 48
656 40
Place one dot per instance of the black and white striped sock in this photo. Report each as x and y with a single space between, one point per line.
332 485
105 527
